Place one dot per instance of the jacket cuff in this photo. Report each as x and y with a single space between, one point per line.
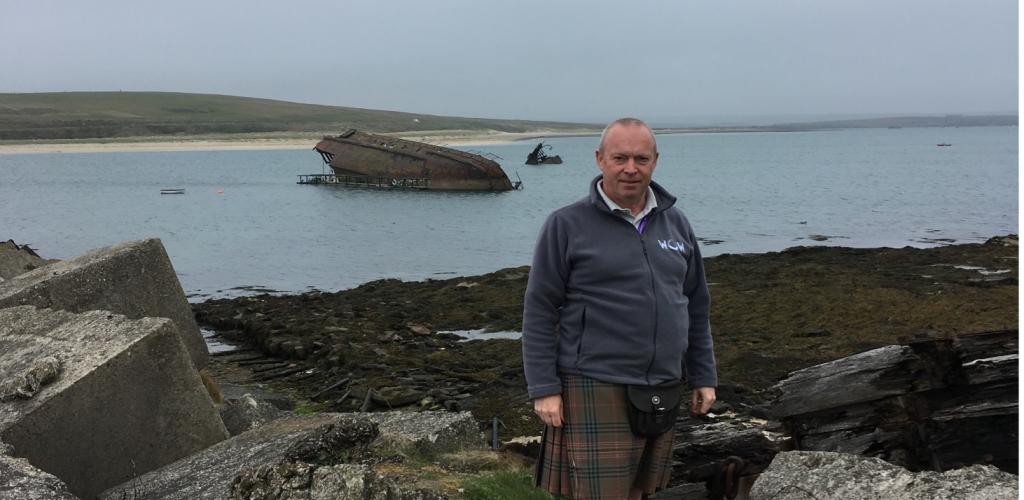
545 390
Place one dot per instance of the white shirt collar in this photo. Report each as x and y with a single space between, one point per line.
625 213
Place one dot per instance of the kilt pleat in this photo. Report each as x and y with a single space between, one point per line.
595 455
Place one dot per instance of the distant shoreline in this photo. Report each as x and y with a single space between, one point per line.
292 140
454 138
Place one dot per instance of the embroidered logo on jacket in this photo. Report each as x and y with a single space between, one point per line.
677 246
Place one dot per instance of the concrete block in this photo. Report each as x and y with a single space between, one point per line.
97 398
135 279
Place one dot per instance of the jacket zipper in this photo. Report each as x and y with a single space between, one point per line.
654 294
654 311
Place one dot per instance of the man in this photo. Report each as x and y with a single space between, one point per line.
616 296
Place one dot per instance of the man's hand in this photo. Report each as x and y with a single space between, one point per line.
549 409
701 400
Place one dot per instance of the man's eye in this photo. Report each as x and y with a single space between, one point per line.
643 160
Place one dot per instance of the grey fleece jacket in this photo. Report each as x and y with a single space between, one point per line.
608 302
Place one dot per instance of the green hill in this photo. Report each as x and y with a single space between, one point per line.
104 115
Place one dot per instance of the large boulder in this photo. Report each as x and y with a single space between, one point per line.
427 433
303 455
97 398
134 278
818 475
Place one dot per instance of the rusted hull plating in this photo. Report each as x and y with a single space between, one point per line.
357 153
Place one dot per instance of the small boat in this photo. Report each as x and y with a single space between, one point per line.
943 144
173 191
539 157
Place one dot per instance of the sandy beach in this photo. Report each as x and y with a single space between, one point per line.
454 138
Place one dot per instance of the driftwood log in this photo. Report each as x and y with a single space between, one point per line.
931 403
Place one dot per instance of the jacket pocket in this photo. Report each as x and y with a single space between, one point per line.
583 334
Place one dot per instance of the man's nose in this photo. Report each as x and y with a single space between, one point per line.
631 168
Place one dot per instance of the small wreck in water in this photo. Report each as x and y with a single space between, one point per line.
539 157
371 160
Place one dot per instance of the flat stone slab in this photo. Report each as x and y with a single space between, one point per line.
427 433
97 398
134 278
819 475
319 439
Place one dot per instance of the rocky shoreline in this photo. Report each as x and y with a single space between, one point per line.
379 346
374 392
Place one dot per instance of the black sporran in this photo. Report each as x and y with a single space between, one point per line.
653 408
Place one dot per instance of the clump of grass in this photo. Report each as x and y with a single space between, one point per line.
503 485
309 408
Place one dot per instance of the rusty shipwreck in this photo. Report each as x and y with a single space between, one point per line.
364 159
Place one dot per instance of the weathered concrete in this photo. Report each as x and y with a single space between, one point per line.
817 475
325 440
20 481
134 278
96 398
18 259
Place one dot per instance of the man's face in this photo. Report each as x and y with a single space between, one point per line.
627 161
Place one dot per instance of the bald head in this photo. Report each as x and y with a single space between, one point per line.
626 122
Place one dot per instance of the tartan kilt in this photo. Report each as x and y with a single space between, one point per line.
595 455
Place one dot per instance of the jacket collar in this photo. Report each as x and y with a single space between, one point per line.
665 200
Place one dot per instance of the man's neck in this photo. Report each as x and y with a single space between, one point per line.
634 208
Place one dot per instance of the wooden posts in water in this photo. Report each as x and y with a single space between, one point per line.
377 182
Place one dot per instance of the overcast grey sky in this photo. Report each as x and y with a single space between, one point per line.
560 60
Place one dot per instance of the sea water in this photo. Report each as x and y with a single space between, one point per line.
244 225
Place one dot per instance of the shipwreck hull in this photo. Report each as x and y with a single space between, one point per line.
355 154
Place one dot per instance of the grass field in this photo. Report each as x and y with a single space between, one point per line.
105 115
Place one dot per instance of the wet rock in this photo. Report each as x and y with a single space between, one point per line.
419 330
527 446
817 237
932 403
702 445
231 392
247 413
134 278
19 480
97 398
807 475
